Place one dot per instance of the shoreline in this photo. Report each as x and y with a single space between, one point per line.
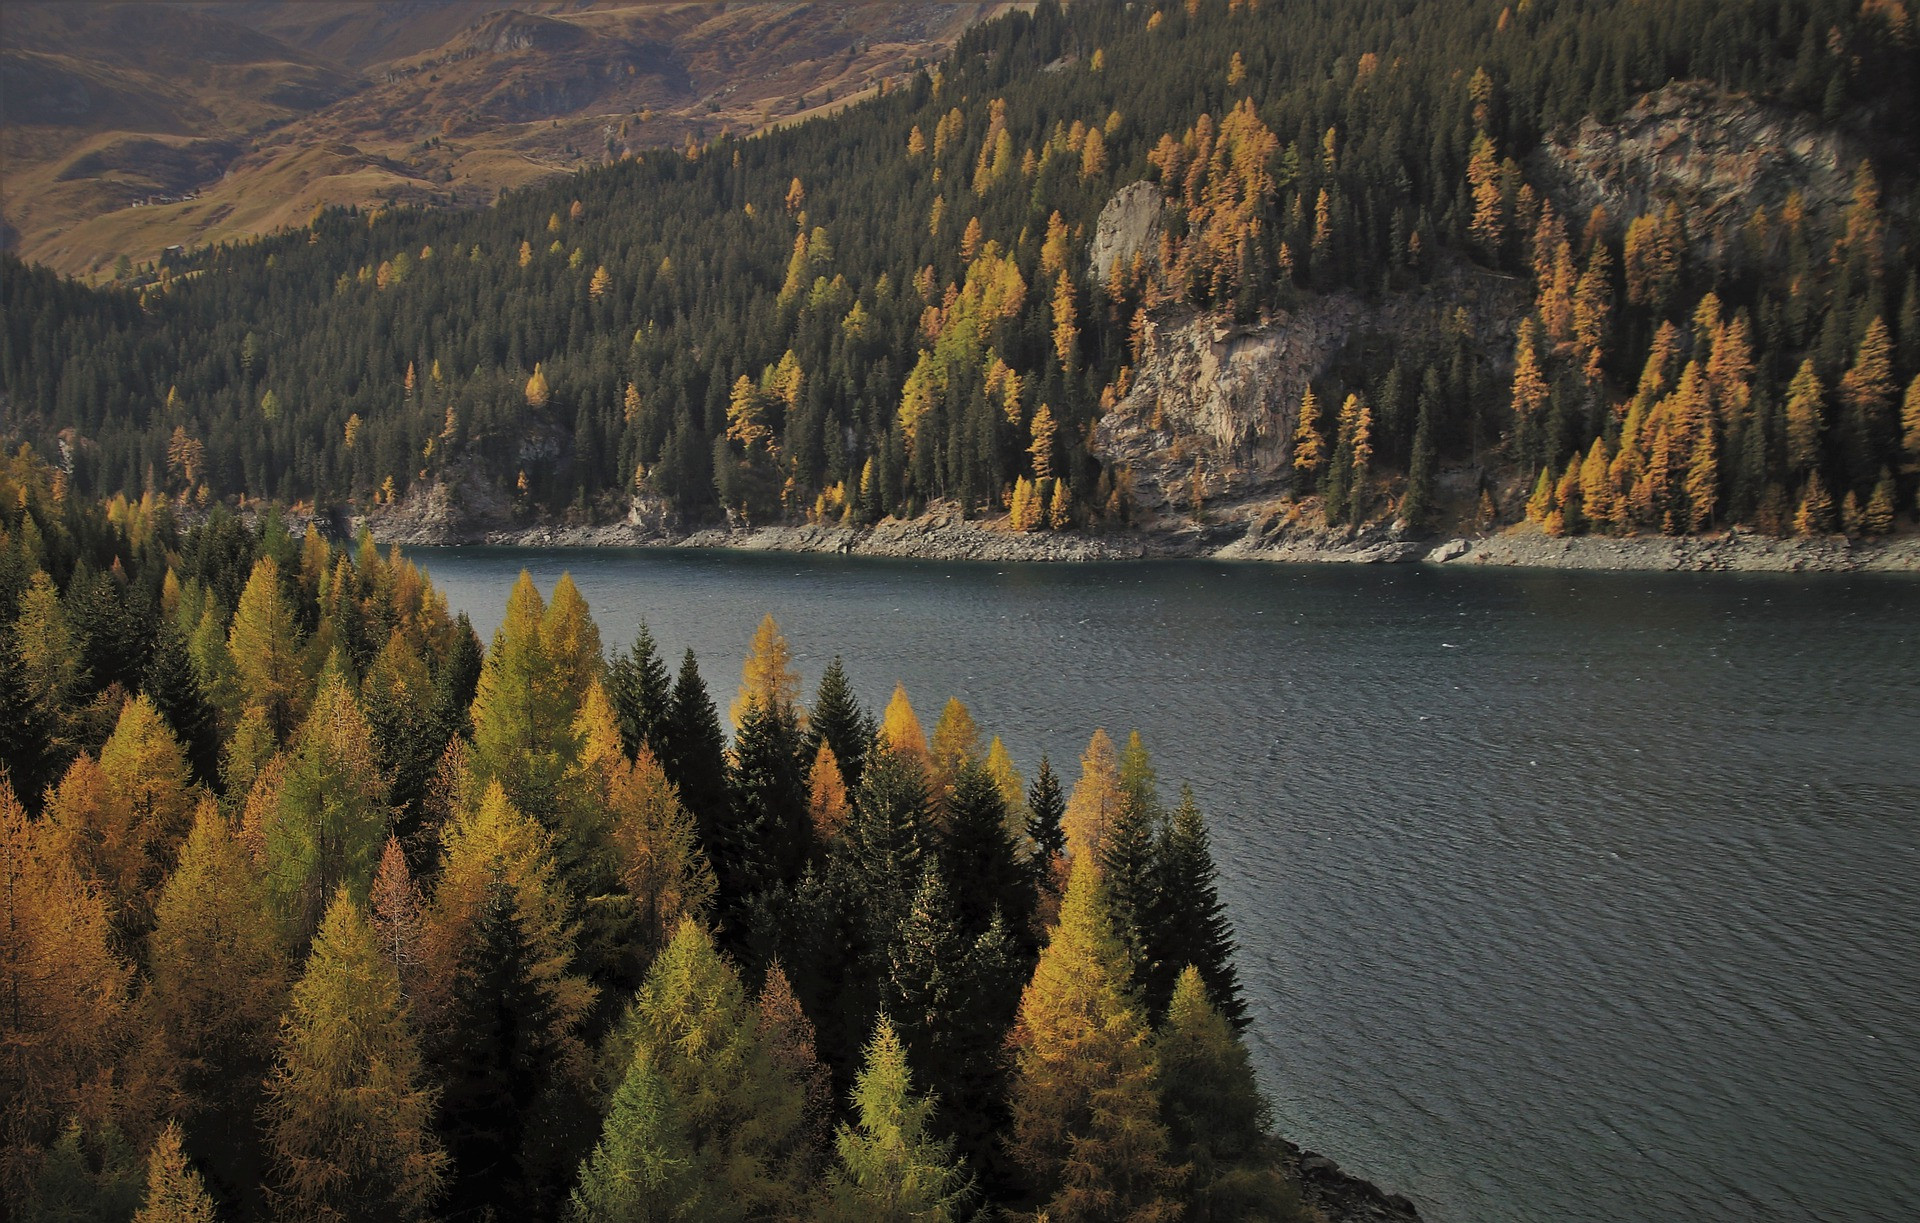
945 536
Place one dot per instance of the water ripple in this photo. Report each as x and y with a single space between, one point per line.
1573 897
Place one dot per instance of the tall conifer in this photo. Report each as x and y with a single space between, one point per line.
348 1109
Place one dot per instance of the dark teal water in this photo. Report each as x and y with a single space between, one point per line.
1560 896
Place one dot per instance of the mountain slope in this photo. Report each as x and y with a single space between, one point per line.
851 318
113 105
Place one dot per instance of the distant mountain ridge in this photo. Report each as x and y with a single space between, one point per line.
129 128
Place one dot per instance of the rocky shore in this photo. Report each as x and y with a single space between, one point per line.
1341 1197
943 534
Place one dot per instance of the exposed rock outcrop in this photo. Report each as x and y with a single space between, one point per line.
1129 225
1715 154
1219 398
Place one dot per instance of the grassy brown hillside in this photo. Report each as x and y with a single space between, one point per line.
133 127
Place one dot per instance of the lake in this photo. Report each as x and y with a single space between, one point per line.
1560 896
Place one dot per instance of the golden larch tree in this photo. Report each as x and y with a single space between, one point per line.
900 728
827 805
657 853
956 739
1086 1124
63 994
266 648
349 1113
220 973
175 1192
1096 799
767 677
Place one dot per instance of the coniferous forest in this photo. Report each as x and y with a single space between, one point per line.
864 314
316 909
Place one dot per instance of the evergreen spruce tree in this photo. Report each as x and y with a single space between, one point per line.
838 721
641 691
694 754
1189 922
889 840
767 840
976 852
174 687
1127 859
27 727
1046 809
490 845
501 1047
410 728
1416 505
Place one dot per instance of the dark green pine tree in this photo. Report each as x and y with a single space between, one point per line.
828 957
498 1057
641 692
838 721
1046 807
457 678
1416 506
694 753
848 911
1190 923
923 983
889 838
1128 858
85 1178
27 753
952 997
175 688
112 634
977 854
758 852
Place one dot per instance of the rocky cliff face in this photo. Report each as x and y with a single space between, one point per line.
1716 155
1129 225
1221 399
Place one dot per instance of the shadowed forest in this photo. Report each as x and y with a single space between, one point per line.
318 910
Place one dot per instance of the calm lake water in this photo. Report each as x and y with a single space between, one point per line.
1560 896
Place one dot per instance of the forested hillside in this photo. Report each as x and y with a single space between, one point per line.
868 313
315 910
